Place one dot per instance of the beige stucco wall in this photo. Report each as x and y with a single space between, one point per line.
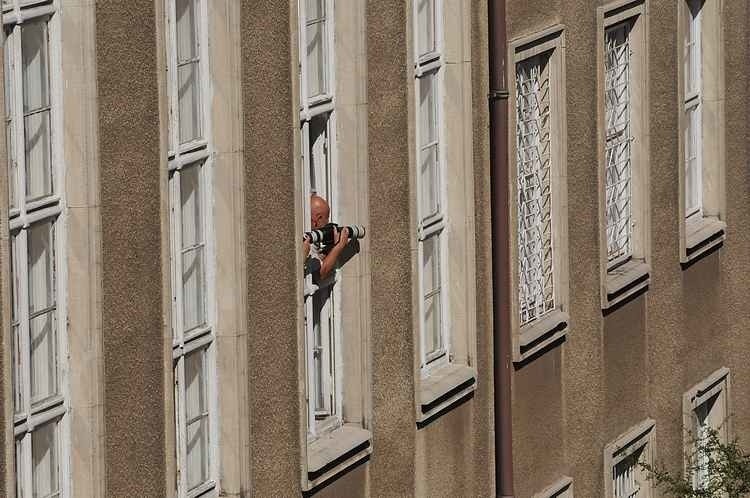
636 362
132 242
272 286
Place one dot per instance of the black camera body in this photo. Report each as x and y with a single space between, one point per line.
324 235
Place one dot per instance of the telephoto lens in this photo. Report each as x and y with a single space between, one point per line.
324 235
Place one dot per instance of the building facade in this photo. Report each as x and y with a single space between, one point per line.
162 338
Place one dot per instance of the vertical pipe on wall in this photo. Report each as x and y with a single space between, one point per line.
498 102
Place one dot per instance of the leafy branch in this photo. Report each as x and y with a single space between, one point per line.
715 469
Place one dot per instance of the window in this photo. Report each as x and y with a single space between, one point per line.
706 408
333 166
702 128
539 176
37 212
317 122
190 197
624 173
563 488
624 477
430 177
442 207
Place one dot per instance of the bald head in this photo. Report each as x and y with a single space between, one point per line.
320 211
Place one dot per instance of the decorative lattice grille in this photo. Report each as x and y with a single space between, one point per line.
618 168
625 482
536 285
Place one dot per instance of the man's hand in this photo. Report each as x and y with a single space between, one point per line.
343 237
305 248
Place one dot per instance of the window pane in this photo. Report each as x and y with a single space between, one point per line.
43 357
315 9
17 386
693 46
429 182
316 59
41 254
38 155
187 39
626 479
428 108
35 66
319 161
188 76
432 323
533 159
618 168
693 173
9 88
20 468
192 206
197 418
193 287
431 264
426 26
45 460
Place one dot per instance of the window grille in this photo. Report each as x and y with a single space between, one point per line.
536 280
36 193
430 203
190 171
625 477
618 167
317 126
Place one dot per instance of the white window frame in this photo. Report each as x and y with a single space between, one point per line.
703 226
50 209
536 335
192 154
626 275
715 391
321 108
432 225
641 438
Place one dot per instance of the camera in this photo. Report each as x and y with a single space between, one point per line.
324 235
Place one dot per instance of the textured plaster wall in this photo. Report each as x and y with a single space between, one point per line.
636 362
132 315
269 160
392 469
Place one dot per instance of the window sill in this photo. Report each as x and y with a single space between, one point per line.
626 281
540 334
443 387
702 235
334 453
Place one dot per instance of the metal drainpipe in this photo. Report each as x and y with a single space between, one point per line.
498 102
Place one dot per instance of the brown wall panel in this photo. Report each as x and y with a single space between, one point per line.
132 315
271 245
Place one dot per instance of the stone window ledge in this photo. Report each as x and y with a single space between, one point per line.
335 452
625 281
701 236
540 334
443 387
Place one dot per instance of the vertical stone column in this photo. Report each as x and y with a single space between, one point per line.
272 243
131 162
390 233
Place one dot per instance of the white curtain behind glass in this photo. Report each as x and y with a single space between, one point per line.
196 417
43 336
36 110
193 268
188 71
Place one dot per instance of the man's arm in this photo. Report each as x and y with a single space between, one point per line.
329 262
